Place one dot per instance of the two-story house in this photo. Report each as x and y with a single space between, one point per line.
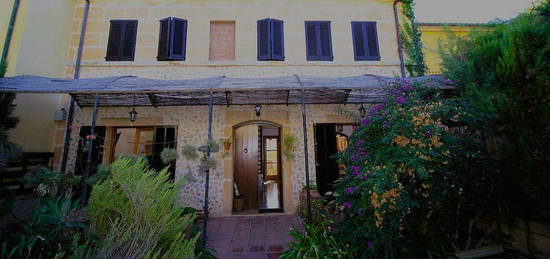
252 44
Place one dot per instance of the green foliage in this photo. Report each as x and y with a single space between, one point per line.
50 231
316 241
411 41
417 179
137 213
289 141
505 73
189 152
3 68
48 181
168 155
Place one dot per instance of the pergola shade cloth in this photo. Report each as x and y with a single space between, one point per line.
131 90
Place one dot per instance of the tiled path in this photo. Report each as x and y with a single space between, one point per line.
250 237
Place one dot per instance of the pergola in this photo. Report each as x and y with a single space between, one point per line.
125 91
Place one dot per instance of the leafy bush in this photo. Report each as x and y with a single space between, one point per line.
418 183
50 231
316 241
505 72
137 214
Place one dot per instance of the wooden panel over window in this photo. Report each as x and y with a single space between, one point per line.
222 40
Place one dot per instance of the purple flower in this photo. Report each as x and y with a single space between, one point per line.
386 124
449 82
370 244
347 205
401 100
355 170
365 177
350 190
429 133
365 121
407 87
376 108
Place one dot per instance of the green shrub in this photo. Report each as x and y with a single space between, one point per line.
416 172
137 214
316 241
50 231
505 72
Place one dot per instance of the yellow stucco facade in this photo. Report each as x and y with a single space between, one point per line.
433 35
38 47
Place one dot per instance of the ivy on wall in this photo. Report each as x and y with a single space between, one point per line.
412 43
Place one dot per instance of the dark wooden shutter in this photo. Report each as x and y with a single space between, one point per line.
325 41
178 38
372 41
129 41
113 46
172 39
164 40
318 41
311 41
359 43
122 40
278 40
264 48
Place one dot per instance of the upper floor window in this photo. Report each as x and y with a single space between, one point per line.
172 39
318 41
271 40
122 40
222 41
365 41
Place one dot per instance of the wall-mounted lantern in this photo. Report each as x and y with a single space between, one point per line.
362 111
258 109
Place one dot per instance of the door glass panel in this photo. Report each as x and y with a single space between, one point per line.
271 180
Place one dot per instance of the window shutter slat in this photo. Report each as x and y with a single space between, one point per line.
358 41
311 41
372 40
113 45
277 37
264 42
129 41
163 39
178 39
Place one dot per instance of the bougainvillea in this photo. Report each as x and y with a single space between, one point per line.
405 166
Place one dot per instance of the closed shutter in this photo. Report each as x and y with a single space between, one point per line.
277 36
359 43
164 39
113 46
311 41
122 40
372 41
365 41
326 41
178 38
129 41
318 41
264 52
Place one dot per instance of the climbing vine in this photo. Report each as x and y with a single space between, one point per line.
412 43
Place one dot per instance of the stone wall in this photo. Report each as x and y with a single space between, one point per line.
192 125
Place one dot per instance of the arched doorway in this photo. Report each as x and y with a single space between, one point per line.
257 169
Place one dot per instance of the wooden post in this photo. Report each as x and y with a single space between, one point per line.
207 173
90 149
306 158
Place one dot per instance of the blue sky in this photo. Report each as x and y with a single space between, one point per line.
474 11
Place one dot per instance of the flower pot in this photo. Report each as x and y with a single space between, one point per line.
227 146
313 193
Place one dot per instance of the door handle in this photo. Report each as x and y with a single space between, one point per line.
245 150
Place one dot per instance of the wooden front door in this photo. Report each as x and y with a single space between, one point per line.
246 164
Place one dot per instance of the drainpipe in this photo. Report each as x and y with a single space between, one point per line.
399 42
76 75
9 33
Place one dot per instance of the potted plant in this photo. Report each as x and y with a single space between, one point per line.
226 143
238 200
